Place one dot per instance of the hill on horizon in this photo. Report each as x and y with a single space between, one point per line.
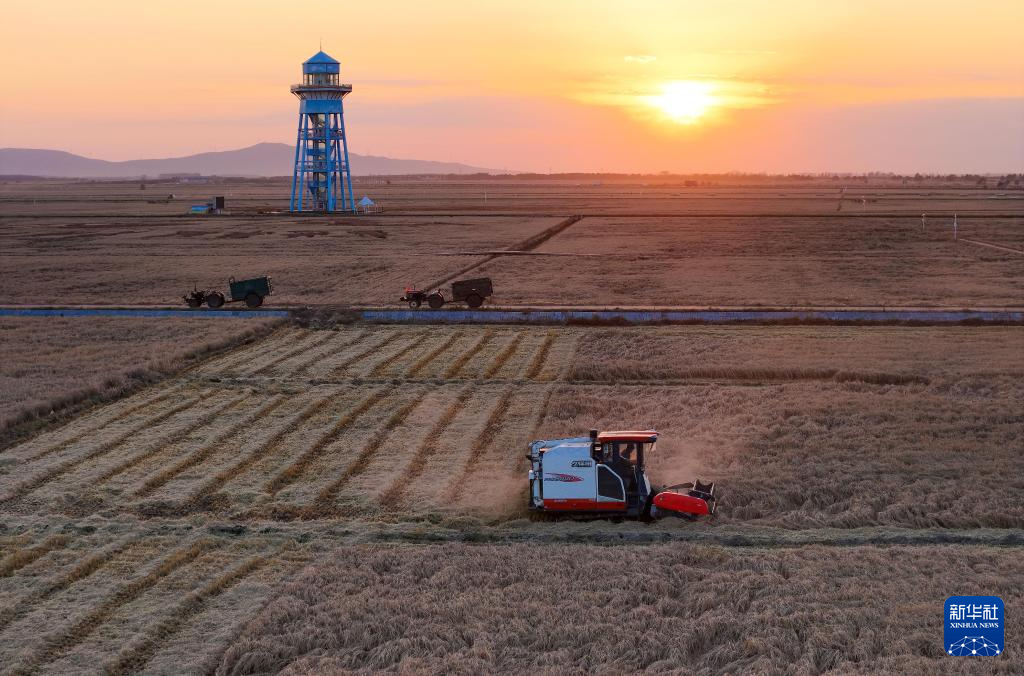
260 160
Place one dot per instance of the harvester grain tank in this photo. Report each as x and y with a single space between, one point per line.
605 473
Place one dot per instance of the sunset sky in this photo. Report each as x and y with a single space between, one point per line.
542 86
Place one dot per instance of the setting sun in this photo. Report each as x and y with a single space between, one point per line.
685 102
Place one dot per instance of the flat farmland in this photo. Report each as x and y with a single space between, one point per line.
402 423
747 242
770 262
184 527
52 367
126 261
536 195
253 497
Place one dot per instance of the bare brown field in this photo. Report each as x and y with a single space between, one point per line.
126 261
753 243
52 367
578 609
771 261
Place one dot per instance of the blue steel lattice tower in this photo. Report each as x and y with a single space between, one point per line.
322 181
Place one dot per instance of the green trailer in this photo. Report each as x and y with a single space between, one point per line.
250 291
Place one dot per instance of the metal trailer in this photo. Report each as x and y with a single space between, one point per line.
472 292
250 291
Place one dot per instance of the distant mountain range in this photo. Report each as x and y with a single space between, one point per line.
262 159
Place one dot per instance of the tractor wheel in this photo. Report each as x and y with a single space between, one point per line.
194 302
214 300
435 301
253 300
414 304
474 300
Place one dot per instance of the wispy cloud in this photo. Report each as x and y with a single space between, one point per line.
640 58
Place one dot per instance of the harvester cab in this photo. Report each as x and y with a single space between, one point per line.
605 473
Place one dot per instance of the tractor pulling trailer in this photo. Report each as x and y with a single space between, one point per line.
604 473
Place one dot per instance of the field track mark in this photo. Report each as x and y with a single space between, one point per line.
160 398
102 449
20 558
505 355
330 492
340 369
84 569
303 366
60 642
201 454
135 657
528 244
392 496
295 470
480 444
263 450
999 247
311 344
380 368
433 354
468 355
541 355
172 439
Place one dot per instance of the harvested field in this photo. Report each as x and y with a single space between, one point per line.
129 261
112 599
744 241
52 367
851 426
772 262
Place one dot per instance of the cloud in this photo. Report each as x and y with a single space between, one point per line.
640 58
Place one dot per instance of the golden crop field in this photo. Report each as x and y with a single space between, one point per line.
183 510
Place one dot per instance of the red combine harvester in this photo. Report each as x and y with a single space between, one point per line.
605 474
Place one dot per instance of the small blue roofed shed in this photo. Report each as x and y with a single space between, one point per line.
366 202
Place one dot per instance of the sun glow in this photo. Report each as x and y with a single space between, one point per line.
685 101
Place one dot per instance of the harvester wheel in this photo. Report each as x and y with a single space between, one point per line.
253 300
474 300
435 301
214 300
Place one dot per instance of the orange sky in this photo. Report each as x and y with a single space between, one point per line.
567 85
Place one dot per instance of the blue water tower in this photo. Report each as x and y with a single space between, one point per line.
322 180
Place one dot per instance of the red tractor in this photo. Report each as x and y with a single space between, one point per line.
604 473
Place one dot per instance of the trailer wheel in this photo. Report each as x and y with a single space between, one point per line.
435 301
194 302
214 300
474 300
253 299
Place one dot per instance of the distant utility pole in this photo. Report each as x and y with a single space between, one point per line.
954 227
922 222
